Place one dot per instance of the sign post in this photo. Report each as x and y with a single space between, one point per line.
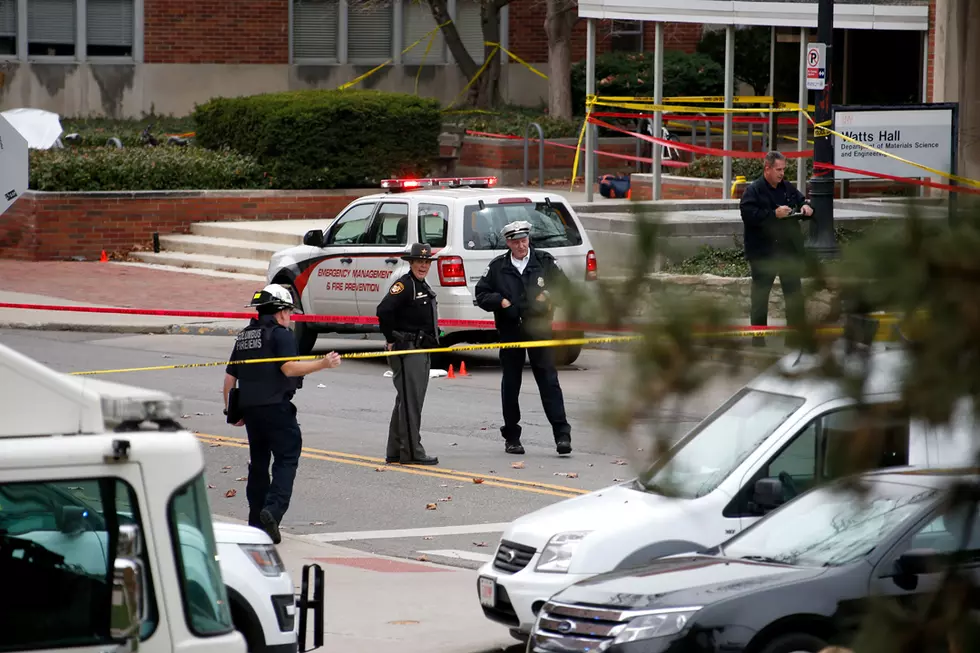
822 240
13 165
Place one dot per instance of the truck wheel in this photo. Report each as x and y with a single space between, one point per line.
302 331
795 643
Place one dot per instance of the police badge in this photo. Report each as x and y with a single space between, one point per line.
541 281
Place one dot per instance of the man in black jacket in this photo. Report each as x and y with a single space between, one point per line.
771 210
516 288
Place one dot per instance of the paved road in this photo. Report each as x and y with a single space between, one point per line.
344 493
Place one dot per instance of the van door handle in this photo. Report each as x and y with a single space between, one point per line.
346 260
391 260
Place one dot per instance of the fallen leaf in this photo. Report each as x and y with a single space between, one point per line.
215 445
203 414
479 544
320 385
483 429
165 356
226 467
572 474
620 462
316 523
231 493
404 622
617 480
453 444
380 469
185 417
449 498
427 537
210 487
422 558
492 472
459 487
640 449
444 485
561 473
518 465
242 478
430 506
591 465
477 480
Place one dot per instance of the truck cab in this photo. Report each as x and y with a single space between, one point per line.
106 538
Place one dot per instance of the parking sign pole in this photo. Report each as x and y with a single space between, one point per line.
819 57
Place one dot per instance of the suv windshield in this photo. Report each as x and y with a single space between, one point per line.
202 589
551 225
831 526
712 451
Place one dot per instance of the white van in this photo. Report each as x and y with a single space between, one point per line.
773 428
346 268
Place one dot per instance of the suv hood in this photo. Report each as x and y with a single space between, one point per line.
612 510
682 581
228 533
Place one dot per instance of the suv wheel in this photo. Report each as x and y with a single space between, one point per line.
795 643
567 355
250 629
302 331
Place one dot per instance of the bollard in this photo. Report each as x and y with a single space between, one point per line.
540 154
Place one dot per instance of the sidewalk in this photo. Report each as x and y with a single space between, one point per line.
377 604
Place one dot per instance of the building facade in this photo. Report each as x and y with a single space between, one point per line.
126 58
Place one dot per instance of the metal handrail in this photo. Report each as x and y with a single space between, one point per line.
527 161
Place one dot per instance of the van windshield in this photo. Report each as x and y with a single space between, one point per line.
551 225
718 445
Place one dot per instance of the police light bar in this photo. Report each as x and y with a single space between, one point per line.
439 182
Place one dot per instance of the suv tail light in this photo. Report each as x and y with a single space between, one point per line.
451 271
591 266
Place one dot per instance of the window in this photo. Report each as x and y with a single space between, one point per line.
391 225
626 36
433 224
551 225
798 460
8 27
352 226
720 443
944 534
192 533
369 32
109 28
53 537
51 28
315 29
469 25
417 21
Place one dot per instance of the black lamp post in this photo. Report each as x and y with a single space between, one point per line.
822 239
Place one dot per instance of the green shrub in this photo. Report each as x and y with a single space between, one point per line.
143 168
326 139
630 74
513 123
94 132
710 167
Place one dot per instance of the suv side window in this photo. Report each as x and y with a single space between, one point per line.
390 226
351 227
53 550
433 224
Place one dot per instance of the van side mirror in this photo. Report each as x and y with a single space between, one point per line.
72 519
767 495
129 590
313 238
916 562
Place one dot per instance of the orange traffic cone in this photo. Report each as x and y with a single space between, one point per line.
103 258
462 369
452 374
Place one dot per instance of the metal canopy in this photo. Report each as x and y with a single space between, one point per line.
748 12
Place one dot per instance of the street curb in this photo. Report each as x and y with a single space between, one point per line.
181 329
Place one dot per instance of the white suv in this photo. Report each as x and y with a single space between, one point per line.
346 268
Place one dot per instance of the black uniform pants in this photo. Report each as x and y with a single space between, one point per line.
764 273
273 436
411 379
546 376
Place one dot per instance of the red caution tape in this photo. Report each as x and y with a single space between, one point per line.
697 149
905 180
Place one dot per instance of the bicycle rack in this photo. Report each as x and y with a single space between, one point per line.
540 154
305 603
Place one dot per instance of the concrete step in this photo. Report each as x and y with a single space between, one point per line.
284 233
227 247
205 261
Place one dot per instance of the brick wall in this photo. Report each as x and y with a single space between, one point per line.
529 41
58 226
216 31
482 152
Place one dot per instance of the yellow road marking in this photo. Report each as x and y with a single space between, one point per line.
446 474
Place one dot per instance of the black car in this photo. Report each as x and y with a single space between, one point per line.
797 580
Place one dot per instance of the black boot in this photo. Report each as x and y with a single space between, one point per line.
422 460
270 525
514 447
564 444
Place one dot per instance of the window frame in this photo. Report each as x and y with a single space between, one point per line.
333 228
376 226
81 38
420 222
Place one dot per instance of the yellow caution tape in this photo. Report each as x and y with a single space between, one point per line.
360 78
486 63
695 99
670 108
418 74
517 59
939 173
496 47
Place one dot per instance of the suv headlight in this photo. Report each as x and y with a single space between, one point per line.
656 624
265 557
557 555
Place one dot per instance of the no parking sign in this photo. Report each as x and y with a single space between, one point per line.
816 67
